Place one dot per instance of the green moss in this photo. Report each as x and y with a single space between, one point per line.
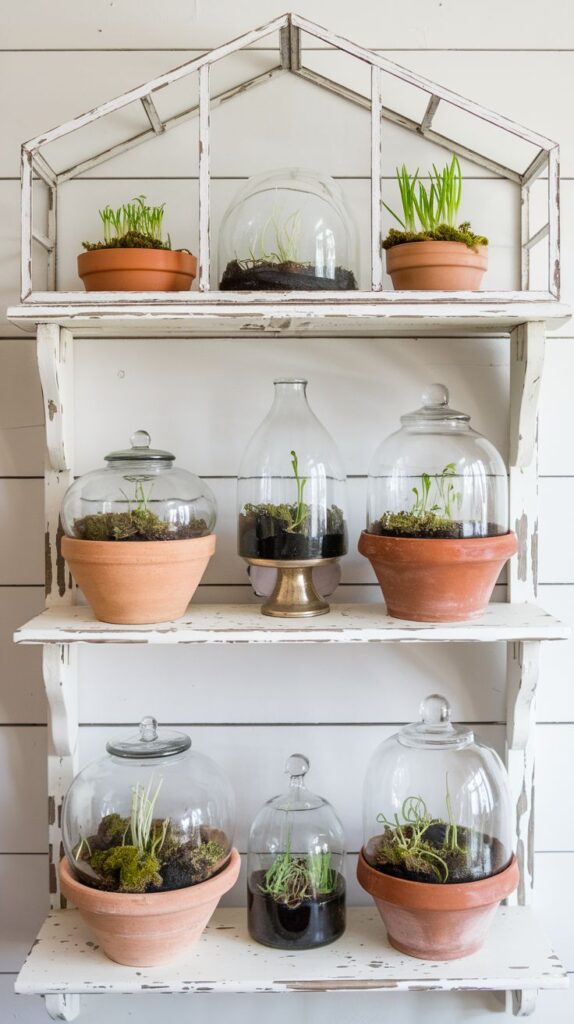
125 869
442 233
201 860
409 524
131 240
286 516
111 831
138 524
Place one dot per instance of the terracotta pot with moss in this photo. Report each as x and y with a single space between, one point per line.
139 535
133 255
430 252
148 832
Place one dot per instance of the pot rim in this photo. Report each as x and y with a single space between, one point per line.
434 549
431 896
119 254
99 901
134 552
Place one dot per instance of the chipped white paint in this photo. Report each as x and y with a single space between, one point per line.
354 623
522 680
204 180
62 1007
376 194
516 956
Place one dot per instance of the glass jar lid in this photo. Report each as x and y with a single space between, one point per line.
149 741
435 729
140 450
435 408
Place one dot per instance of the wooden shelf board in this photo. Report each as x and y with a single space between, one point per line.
284 314
345 623
516 956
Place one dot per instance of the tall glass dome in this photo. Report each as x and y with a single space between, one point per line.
288 230
296 868
291 494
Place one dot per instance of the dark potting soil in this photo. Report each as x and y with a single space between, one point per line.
453 531
264 536
314 922
479 856
279 277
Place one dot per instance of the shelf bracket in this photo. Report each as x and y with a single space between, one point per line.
59 663
62 1005
522 1003
522 680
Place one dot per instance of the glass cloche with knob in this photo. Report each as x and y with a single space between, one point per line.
291 493
295 869
150 816
437 514
288 230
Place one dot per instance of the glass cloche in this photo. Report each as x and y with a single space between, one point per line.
150 816
437 803
436 477
139 495
291 494
295 868
288 230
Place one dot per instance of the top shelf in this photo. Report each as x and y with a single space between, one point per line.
284 314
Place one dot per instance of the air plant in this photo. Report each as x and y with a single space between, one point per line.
291 879
405 842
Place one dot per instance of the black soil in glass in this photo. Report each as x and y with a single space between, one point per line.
314 922
479 856
264 536
280 277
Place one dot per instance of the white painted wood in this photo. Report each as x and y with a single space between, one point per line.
204 181
21 515
376 194
515 955
152 115
554 221
26 231
521 684
67 624
62 1007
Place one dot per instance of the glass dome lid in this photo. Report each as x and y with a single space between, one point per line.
295 869
139 495
436 477
288 230
436 804
150 816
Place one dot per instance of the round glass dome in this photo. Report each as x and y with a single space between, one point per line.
437 803
150 816
436 477
139 495
291 486
288 230
296 868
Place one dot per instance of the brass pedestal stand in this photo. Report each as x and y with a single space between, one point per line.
294 595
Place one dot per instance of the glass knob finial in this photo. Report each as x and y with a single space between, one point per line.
435 710
141 439
296 766
435 394
148 729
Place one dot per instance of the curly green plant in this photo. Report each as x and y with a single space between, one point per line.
408 842
292 879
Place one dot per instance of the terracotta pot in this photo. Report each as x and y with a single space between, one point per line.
436 922
146 929
137 270
436 266
138 582
437 580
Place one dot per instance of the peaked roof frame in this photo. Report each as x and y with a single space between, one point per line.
290 26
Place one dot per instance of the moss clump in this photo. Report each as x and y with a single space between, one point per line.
442 233
295 518
126 869
112 831
411 524
138 524
131 240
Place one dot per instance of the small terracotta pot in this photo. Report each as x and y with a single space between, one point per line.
146 929
434 580
436 922
436 266
138 582
137 270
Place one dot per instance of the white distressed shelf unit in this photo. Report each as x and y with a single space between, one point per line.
516 959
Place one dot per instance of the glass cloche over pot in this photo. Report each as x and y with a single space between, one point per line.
437 855
291 494
288 230
139 495
150 816
295 869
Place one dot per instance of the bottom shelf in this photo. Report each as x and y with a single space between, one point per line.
516 957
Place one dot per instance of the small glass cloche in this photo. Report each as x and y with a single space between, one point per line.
291 494
295 868
288 230
152 815
138 496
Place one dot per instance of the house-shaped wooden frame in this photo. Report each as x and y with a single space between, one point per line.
290 26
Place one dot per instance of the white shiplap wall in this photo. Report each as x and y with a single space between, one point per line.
202 400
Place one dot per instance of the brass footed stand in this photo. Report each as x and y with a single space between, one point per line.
294 595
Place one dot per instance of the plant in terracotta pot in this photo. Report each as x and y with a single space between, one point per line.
437 515
148 839
133 255
432 252
295 872
138 535
437 863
